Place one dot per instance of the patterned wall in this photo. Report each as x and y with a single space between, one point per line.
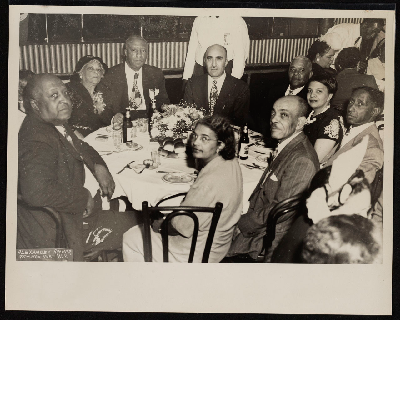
62 58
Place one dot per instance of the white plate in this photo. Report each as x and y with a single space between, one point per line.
178 178
128 146
263 158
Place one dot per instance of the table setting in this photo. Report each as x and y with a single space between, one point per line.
144 171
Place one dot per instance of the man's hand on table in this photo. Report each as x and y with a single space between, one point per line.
89 206
106 181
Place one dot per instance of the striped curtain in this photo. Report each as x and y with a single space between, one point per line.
62 58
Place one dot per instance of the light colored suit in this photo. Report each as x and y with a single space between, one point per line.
373 158
289 174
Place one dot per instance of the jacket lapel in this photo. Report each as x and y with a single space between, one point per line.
146 83
224 93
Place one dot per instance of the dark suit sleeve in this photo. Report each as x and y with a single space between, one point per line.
188 97
295 179
162 97
39 181
241 106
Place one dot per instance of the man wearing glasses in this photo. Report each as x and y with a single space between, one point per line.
128 84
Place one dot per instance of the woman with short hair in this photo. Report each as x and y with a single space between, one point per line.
322 57
87 102
324 126
219 180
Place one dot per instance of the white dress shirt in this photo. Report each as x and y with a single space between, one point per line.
294 91
228 31
130 77
220 81
285 142
354 131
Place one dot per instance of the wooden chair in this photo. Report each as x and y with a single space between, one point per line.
281 212
60 240
189 211
289 208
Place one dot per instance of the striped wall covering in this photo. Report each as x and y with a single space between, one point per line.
347 21
62 58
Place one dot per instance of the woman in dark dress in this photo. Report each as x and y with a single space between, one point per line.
322 57
324 126
87 103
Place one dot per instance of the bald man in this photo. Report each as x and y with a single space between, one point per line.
130 82
217 92
288 174
51 173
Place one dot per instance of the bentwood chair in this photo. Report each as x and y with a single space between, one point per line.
60 239
188 211
283 211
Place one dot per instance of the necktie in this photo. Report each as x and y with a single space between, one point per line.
290 92
136 97
68 136
213 96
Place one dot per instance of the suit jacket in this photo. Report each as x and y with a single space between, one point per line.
289 174
115 90
233 101
373 158
347 80
51 173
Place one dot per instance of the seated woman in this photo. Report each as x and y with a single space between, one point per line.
324 126
348 77
220 179
343 239
322 57
87 103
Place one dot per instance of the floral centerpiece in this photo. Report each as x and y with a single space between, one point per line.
174 122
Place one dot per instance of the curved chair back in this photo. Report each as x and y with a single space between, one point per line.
189 211
60 239
281 212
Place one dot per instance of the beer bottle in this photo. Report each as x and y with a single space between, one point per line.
244 141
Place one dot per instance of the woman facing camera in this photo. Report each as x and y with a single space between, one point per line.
219 180
324 126
87 103
322 57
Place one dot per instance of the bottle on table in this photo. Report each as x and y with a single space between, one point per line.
244 141
125 126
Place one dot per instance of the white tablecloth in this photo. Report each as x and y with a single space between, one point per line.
149 186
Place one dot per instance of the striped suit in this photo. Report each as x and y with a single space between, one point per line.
289 174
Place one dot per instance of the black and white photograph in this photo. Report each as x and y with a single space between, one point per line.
193 160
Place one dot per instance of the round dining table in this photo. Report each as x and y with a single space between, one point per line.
149 184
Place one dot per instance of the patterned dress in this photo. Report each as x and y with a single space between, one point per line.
326 125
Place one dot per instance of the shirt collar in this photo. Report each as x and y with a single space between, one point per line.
285 142
354 132
295 91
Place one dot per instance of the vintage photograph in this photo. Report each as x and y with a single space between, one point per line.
200 160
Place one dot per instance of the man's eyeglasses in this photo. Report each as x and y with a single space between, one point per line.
204 139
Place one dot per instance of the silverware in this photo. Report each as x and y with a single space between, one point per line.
126 166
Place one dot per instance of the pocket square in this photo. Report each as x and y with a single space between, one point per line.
274 178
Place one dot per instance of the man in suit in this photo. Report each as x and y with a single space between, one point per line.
51 173
299 73
128 84
217 92
365 106
288 174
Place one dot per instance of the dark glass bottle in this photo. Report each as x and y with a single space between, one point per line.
128 125
244 141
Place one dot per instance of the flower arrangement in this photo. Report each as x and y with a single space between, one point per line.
175 121
98 102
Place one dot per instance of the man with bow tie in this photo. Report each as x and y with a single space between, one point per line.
364 108
51 173
128 84
217 92
289 173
